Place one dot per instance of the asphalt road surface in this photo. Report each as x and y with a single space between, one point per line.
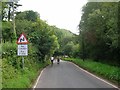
67 75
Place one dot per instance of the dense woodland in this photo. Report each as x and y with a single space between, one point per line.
99 38
99 32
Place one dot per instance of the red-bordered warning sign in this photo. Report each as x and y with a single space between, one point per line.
22 39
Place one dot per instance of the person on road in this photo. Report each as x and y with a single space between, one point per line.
58 60
52 58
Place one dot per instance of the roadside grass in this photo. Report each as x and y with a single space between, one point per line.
0 73
23 78
106 71
13 75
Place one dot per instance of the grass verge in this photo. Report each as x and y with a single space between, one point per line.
108 72
13 75
23 78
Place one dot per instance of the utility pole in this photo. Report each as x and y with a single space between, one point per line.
13 6
14 19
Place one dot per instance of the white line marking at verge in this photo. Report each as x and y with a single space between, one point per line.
38 78
95 76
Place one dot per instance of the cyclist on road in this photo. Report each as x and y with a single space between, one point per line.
58 60
52 58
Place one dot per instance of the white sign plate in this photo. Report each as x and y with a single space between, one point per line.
22 50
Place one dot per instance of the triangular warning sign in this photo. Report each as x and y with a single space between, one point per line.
22 39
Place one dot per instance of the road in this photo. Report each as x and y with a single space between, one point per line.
67 75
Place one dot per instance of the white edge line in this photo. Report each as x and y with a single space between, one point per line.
95 76
38 78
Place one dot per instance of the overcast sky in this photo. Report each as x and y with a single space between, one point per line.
65 14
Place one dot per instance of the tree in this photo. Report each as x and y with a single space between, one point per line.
68 49
7 31
46 40
7 14
98 27
24 26
28 15
64 37
8 9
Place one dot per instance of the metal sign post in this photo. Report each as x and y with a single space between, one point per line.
22 47
22 62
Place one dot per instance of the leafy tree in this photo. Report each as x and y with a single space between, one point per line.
8 9
98 30
64 37
28 15
7 31
24 26
68 49
46 40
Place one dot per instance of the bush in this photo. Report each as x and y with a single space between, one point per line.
14 76
9 49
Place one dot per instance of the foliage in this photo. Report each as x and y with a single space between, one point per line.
14 78
7 10
12 67
28 15
99 31
65 37
98 36
43 44
7 31
44 41
24 26
39 31
47 41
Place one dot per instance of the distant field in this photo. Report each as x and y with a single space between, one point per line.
111 73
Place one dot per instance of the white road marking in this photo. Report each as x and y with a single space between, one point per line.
38 78
80 69
95 76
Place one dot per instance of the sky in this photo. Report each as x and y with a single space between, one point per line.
64 14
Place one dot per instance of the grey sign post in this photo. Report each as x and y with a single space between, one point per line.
22 47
